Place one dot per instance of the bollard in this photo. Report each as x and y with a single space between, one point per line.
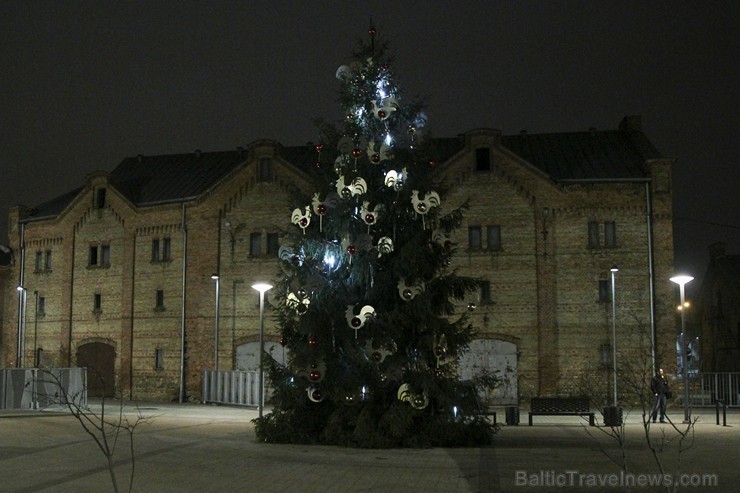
721 402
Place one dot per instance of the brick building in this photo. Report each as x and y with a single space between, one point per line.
717 313
118 273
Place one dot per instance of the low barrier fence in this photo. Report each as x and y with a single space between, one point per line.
239 388
38 388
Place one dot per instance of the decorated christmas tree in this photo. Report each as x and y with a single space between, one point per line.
368 303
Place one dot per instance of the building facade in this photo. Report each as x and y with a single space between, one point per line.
119 275
717 313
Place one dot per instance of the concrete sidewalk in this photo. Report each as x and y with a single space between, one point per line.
205 448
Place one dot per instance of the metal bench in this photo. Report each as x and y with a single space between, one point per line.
561 406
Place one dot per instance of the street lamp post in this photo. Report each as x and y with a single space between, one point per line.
614 271
262 288
22 293
216 278
682 281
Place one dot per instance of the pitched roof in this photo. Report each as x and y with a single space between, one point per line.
592 155
573 156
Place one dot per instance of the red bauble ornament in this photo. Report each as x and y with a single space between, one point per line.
356 152
316 395
312 341
304 222
283 341
375 158
440 351
321 209
369 218
376 356
432 163
314 375
319 147
356 322
371 31
381 114
351 249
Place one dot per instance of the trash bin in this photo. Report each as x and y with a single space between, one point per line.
512 415
613 416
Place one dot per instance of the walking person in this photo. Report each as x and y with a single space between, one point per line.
659 386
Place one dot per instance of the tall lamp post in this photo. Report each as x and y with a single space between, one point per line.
23 294
682 281
614 271
262 288
216 278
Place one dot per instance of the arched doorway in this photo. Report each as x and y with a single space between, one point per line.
99 359
492 355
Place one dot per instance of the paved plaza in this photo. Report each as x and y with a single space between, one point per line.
206 448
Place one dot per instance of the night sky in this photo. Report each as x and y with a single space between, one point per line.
85 84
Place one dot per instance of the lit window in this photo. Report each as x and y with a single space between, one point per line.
97 302
159 301
41 306
39 260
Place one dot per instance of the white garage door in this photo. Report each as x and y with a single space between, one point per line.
247 355
492 355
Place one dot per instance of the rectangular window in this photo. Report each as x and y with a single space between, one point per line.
483 159
105 255
610 234
100 199
593 234
159 359
494 237
166 249
47 260
93 256
155 250
97 302
255 244
604 291
264 170
273 244
485 292
39 260
39 358
159 302
474 238
41 306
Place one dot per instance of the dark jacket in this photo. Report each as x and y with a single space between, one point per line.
659 385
